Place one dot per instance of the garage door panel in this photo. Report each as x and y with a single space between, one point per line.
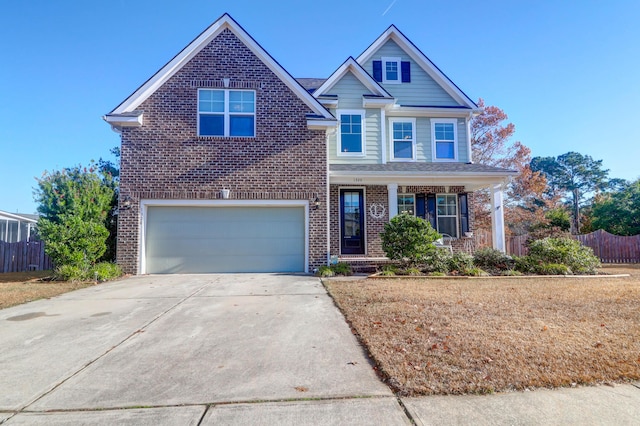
224 239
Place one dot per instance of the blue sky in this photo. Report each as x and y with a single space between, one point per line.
566 72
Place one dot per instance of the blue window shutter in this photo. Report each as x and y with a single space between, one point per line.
420 206
377 70
406 72
431 210
464 212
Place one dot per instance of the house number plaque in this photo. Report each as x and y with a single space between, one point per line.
377 210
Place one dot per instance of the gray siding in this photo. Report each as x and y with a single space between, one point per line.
349 91
423 90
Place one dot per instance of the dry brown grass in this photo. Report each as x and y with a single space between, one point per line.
440 336
21 287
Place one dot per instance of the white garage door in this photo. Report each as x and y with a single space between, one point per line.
224 239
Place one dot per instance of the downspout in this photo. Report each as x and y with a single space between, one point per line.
328 201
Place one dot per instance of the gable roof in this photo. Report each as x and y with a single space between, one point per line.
350 65
393 33
127 108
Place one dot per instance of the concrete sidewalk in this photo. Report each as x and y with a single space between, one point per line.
232 349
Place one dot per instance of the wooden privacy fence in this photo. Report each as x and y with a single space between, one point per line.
23 256
608 247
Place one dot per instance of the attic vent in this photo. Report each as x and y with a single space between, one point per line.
234 84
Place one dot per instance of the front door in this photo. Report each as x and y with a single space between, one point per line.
352 221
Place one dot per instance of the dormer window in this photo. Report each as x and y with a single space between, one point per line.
392 70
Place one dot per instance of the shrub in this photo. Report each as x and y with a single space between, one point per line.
71 273
388 273
413 271
567 251
553 269
526 264
341 268
104 271
100 272
325 271
475 272
437 261
408 239
390 268
492 260
460 262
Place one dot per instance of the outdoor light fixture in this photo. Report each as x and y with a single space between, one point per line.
225 193
316 203
125 204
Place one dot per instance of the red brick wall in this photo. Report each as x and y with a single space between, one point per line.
165 159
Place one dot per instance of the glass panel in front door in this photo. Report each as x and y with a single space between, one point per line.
352 222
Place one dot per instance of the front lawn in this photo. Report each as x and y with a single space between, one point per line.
21 287
437 336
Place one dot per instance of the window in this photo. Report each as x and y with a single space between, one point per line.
351 135
391 70
407 204
447 214
445 139
226 112
403 139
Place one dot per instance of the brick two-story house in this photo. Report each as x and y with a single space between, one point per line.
229 164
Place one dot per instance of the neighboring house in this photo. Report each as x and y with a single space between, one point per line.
229 164
15 227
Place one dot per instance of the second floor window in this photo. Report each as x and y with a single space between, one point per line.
351 133
403 139
226 112
445 140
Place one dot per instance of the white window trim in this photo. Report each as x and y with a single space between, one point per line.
404 194
453 121
361 113
457 215
384 69
413 140
226 113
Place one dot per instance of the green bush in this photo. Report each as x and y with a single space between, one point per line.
413 271
566 251
553 269
390 267
100 272
71 273
342 268
461 263
388 273
526 265
325 271
105 271
492 260
409 240
437 261
475 272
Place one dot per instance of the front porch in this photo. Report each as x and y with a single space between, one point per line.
362 201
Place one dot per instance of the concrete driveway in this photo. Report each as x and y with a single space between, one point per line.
188 349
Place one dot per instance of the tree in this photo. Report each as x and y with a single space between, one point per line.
74 204
618 212
490 143
575 175
111 170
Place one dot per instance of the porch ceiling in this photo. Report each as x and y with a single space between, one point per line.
471 176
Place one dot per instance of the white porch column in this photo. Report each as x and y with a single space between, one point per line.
392 190
497 219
